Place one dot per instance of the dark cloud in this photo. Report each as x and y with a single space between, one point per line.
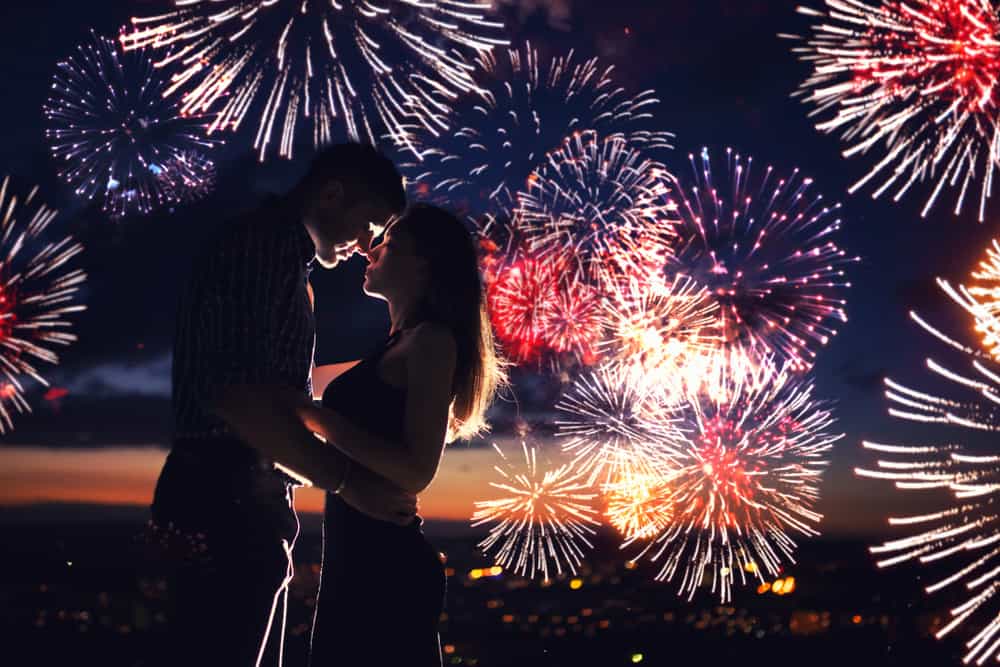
115 379
79 420
556 13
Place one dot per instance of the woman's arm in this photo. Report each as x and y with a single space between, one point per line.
410 464
264 417
324 375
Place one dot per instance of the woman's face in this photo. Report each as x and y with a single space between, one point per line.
393 265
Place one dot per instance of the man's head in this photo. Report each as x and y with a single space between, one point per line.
350 192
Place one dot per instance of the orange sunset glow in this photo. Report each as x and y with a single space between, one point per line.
127 476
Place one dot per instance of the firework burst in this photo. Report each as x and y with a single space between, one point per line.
525 106
358 69
38 291
959 536
744 479
541 311
612 415
546 515
598 198
763 246
520 294
915 79
572 322
665 332
638 504
112 133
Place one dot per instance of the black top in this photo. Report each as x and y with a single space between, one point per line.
382 586
363 397
245 317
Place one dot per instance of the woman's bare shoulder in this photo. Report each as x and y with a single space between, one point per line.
431 338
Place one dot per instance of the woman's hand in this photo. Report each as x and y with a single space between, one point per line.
311 416
378 498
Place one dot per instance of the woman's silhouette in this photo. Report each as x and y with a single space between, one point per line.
382 585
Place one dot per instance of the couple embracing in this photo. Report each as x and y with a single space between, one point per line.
255 418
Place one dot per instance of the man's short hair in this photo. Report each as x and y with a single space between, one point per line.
361 169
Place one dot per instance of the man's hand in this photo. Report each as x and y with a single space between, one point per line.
378 498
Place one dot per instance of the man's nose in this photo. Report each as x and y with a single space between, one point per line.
365 241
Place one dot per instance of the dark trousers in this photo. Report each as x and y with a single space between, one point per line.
229 537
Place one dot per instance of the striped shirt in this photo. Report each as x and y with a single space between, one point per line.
245 317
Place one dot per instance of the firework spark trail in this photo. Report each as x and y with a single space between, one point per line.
959 537
542 311
597 197
546 515
188 177
763 246
611 415
664 332
520 293
572 322
916 79
982 299
744 480
638 503
964 534
38 291
526 106
112 133
357 69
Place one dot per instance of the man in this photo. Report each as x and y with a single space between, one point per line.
224 513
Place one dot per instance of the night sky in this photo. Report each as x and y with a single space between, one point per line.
724 78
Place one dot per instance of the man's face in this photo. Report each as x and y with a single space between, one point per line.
344 230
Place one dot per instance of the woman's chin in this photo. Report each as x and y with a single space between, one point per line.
370 290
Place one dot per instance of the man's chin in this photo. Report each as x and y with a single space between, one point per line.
329 262
335 256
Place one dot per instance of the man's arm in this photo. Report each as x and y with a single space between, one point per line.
263 420
270 426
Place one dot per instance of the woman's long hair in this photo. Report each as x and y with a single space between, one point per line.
455 298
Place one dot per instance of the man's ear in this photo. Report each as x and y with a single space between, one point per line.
332 194
424 267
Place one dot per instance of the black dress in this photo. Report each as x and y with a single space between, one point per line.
382 585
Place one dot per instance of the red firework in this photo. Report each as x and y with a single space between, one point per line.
540 308
520 293
743 481
916 78
39 295
572 321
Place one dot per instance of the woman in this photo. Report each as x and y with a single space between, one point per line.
382 586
